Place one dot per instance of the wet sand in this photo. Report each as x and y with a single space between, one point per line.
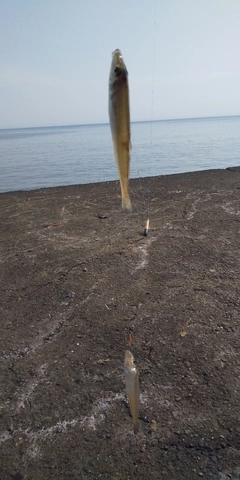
77 275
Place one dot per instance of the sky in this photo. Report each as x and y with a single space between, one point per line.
183 59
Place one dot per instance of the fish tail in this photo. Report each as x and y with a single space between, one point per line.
126 203
136 427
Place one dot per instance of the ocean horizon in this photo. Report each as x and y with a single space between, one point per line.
132 121
50 156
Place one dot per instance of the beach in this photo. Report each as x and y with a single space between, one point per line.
77 275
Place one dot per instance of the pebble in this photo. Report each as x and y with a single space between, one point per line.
153 426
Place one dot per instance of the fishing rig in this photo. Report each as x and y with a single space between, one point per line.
145 233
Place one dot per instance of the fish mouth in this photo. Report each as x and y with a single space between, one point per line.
117 59
117 53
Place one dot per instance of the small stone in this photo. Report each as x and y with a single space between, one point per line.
153 426
70 294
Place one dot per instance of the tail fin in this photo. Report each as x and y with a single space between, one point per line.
136 427
126 203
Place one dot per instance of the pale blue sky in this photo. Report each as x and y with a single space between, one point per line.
55 58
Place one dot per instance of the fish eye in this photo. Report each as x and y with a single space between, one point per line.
118 71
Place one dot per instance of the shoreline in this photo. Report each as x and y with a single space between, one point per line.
233 168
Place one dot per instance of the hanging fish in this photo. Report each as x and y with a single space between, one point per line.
120 121
132 387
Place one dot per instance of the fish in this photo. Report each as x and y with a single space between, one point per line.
132 388
119 116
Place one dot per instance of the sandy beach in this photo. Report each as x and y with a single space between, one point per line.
77 275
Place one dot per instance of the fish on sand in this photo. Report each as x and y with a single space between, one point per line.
132 387
119 116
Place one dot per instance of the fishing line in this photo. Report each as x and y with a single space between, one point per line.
153 83
114 26
147 200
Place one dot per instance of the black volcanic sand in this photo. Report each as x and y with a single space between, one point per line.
77 275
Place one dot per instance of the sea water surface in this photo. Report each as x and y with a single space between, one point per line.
32 158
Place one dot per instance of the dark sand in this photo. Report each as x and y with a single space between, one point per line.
76 276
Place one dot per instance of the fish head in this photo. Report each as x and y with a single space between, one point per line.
129 365
118 71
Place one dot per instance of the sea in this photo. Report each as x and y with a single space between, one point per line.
32 158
